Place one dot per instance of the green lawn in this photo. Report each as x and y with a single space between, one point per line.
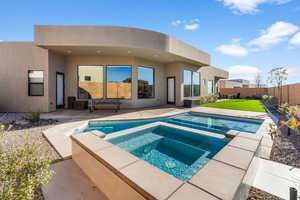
238 104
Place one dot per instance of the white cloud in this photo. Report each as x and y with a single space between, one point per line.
243 72
248 6
293 75
232 50
177 22
295 41
191 27
275 34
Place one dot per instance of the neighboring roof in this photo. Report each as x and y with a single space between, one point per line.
89 39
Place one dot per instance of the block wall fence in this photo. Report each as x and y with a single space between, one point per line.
290 93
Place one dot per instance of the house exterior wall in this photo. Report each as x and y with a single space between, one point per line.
211 73
16 58
168 57
72 63
119 37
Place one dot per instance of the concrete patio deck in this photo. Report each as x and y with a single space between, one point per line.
70 183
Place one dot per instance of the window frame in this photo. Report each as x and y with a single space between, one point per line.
191 90
196 84
154 81
28 83
106 78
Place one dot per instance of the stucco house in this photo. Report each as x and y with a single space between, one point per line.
144 68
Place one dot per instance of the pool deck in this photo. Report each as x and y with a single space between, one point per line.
236 157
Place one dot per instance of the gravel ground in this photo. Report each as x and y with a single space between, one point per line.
256 194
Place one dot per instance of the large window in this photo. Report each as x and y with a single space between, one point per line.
210 87
35 83
119 80
90 82
146 77
196 84
187 80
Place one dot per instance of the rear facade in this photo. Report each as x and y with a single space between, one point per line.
75 63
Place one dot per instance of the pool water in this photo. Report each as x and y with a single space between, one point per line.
175 151
215 124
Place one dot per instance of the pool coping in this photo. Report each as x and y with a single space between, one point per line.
211 176
59 135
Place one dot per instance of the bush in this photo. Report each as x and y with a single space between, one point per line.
34 117
265 97
208 99
293 115
273 100
22 170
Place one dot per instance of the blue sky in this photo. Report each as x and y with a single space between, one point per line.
245 37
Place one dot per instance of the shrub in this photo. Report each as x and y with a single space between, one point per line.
265 97
208 99
34 117
22 170
293 115
273 100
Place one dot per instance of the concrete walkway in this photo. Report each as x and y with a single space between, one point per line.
276 178
70 183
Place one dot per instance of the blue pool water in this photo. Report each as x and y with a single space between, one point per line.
177 152
215 124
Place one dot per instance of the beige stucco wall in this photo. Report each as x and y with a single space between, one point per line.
109 183
211 73
111 36
72 63
16 58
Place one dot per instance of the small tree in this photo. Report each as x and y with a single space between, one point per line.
277 76
258 80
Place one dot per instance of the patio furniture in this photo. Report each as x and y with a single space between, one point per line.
189 103
114 102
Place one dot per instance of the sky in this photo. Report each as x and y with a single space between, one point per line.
245 37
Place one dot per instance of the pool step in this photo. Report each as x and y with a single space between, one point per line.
137 142
196 126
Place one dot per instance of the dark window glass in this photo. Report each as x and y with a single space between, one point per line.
196 84
187 80
35 83
119 82
90 82
87 78
146 77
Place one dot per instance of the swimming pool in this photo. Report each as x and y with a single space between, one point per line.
177 152
211 123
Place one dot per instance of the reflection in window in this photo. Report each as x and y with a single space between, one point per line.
35 83
187 80
145 82
210 86
119 82
90 82
196 84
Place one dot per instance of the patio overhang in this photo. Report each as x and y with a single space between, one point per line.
118 41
